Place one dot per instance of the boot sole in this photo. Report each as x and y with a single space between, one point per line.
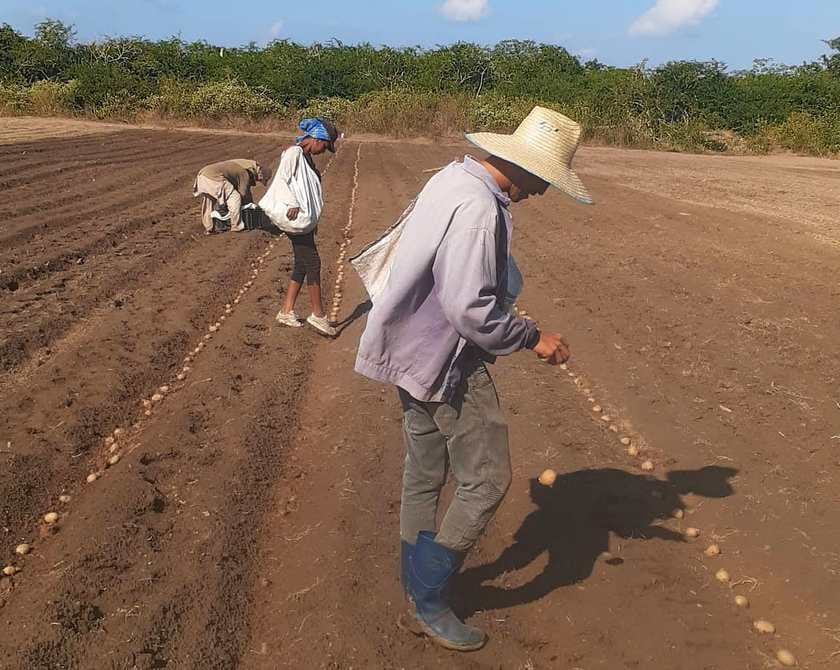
411 624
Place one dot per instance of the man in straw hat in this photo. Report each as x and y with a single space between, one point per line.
433 328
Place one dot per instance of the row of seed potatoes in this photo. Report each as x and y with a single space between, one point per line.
634 446
347 236
120 440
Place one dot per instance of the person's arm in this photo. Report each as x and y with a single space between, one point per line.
466 284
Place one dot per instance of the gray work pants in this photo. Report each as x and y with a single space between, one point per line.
469 434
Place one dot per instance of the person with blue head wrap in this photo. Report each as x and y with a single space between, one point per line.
320 130
296 164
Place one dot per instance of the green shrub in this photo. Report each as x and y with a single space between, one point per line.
214 100
51 98
339 110
231 98
804 133
14 99
498 113
685 105
119 105
402 112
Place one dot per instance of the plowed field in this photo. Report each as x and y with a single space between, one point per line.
250 517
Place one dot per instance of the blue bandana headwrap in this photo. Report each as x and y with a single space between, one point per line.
315 129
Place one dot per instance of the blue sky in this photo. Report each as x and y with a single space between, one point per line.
617 32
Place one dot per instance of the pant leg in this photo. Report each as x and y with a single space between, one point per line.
299 266
311 260
479 456
207 205
234 205
425 468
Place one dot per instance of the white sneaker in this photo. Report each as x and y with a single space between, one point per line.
288 319
321 324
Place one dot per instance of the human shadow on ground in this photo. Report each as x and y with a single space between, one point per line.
361 309
259 221
252 219
573 522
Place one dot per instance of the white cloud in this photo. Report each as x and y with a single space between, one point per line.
276 29
465 10
666 16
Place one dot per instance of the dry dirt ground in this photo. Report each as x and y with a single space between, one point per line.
251 520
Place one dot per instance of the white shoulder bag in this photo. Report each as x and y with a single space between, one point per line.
373 263
306 188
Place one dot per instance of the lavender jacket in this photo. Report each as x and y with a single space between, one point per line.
442 305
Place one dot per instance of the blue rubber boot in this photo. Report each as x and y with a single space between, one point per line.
432 569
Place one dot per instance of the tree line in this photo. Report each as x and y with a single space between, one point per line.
133 72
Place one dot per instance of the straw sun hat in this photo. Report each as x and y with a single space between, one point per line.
544 144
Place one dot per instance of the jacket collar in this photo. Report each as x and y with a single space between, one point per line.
472 167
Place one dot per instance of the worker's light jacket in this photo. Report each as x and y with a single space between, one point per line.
442 305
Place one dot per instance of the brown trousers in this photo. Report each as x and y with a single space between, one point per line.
212 192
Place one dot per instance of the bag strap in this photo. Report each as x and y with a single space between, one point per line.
501 252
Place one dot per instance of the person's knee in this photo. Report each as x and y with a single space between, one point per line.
497 471
496 484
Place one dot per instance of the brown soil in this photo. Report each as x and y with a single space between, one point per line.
252 520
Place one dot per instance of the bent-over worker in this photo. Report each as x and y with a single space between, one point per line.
229 183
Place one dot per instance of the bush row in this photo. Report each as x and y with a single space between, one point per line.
680 105
403 112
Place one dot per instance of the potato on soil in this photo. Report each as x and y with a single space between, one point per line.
786 658
763 626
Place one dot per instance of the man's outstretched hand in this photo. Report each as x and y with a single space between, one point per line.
552 349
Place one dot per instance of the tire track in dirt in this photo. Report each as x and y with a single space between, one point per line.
142 269
57 278
155 181
39 187
189 497
23 162
16 130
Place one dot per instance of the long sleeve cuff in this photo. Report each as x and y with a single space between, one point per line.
533 338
